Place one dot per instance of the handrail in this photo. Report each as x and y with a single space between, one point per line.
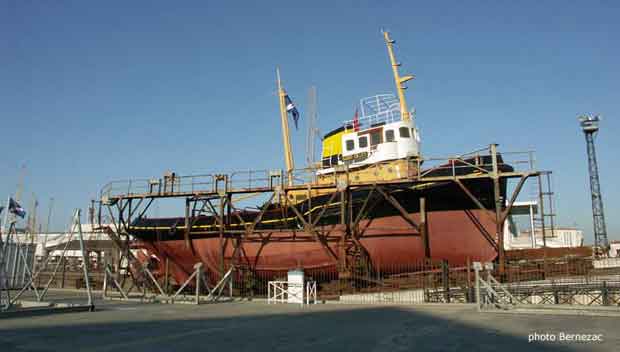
251 180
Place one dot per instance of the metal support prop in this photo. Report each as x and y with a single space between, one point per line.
401 210
220 220
342 257
17 251
188 243
477 268
445 277
150 275
197 275
469 288
424 229
109 276
499 228
317 236
474 199
167 277
49 282
85 259
74 224
5 292
513 198
18 256
216 292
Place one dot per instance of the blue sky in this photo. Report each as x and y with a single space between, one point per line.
96 91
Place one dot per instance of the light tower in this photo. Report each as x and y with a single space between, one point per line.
589 125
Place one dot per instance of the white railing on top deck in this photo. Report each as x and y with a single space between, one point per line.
382 108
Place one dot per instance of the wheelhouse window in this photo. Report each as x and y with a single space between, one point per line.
375 138
389 135
334 159
350 144
363 142
404 132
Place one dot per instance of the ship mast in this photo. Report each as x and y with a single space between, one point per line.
286 139
400 81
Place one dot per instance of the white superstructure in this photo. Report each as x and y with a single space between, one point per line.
379 134
396 140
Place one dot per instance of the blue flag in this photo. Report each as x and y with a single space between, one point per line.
290 107
16 209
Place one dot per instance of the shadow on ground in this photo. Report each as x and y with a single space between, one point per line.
259 327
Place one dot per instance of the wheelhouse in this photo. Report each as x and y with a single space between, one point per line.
377 135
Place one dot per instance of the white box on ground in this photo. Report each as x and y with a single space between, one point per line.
295 291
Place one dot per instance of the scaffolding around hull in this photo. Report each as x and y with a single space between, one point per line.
359 230
389 243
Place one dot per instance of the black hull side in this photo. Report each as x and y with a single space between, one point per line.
440 196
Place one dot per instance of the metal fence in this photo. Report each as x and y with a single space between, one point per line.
19 257
551 281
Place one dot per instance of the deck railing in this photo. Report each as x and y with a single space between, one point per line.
416 169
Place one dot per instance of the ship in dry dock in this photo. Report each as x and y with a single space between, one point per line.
396 224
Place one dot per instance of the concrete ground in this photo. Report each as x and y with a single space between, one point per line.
252 326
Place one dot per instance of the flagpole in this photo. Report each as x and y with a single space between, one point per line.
286 139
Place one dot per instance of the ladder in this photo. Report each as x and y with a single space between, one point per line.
544 219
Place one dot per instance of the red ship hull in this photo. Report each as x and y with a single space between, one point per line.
392 244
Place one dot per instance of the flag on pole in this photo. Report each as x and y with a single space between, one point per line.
1 209
290 107
356 121
16 209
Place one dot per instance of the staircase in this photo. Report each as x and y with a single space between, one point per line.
489 292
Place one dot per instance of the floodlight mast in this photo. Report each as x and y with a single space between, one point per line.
589 126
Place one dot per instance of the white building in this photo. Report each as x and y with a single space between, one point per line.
614 249
558 237
54 243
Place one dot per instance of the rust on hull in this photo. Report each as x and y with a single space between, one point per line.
456 236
